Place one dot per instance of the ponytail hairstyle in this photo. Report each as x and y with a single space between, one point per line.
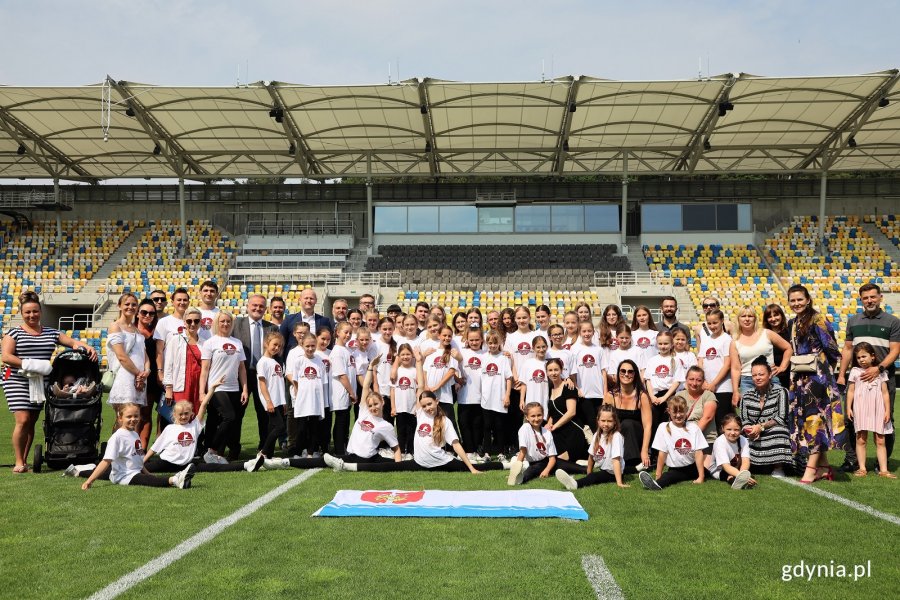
271 335
606 408
733 418
669 335
340 327
673 403
522 308
392 345
449 347
437 432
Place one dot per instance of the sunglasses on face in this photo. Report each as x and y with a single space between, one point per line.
626 371
147 313
163 300
192 321
713 305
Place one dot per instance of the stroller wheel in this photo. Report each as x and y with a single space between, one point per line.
38 458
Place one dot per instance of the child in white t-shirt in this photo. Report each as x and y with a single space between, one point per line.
308 385
537 450
730 458
496 385
533 376
403 398
680 444
606 462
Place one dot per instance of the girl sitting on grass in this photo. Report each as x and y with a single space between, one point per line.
730 459
606 462
537 452
680 444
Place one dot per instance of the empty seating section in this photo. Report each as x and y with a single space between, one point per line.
295 252
455 301
31 258
853 257
734 274
155 261
544 267
890 227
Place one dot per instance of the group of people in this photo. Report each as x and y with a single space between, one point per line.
473 392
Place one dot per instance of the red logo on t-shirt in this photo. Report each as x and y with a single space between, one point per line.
588 361
351 344
404 383
539 376
643 342
229 349
366 425
524 348
567 346
736 461
614 344
439 362
711 354
185 439
541 448
180 329
206 323
599 454
683 446
138 448
491 369
279 372
662 371
327 364
424 430
310 373
392 497
474 363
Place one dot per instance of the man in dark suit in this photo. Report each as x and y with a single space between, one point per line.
308 314
252 330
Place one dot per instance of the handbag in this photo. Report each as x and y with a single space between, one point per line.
110 376
801 363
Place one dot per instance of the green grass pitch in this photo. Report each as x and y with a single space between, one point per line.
707 541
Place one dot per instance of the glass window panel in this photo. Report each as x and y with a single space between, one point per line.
422 219
495 219
602 218
699 217
532 219
567 217
459 219
390 219
745 217
660 217
727 217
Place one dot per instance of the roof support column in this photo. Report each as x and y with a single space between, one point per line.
370 212
181 216
823 193
623 247
58 217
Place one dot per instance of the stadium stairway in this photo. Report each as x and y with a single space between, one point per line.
886 244
636 255
118 256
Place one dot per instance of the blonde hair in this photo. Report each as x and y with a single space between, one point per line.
193 310
673 403
221 315
745 310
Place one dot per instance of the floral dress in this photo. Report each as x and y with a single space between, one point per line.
816 417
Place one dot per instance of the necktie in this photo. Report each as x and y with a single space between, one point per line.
256 350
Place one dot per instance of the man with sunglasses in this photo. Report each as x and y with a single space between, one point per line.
170 324
158 297
701 331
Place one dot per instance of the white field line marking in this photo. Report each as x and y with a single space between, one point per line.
601 579
840 499
192 543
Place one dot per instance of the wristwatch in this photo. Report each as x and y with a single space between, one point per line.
881 368
762 427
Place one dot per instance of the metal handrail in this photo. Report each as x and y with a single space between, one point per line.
85 319
619 278
381 279
36 199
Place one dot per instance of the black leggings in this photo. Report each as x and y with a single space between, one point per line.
386 410
597 477
534 470
447 407
723 407
512 422
275 430
308 429
341 431
471 426
227 406
587 409
406 431
659 415
322 437
155 464
387 465
677 475
494 431
139 479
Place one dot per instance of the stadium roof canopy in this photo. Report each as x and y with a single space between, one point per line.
432 128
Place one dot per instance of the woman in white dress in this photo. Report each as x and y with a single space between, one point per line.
128 358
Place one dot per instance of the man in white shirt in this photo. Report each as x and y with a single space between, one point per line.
251 331
308 315
209 293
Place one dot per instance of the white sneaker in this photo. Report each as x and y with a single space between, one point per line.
567 480
253 465
221 459
472 458
779 473
211 458
640 467
272 464
316 455
386 453
71 471
588 434
303 454
407 456
740 480
581 463
516 472
648 482
182 479
334 462
486 457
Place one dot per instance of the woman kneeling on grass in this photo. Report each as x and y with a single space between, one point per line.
605 463
124 458
680 444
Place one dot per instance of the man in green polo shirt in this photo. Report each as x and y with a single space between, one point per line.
882 330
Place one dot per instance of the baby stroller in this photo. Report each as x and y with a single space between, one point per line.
72 419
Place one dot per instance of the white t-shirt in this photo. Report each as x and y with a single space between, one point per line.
405 390
206 323
126 455
608 452
360 364
290 365
384 365
435 370
272 372
470 392
425 452
325 357
590 362
534 376
659 371
495 372
225 356
520 347
426 343
680 445
368 432
724 452
567 357
340 365
713 352
686 360
619 354
645 342
309 374
177 444
538 444
168 325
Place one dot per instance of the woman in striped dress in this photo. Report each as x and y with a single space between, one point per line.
764 414
28 340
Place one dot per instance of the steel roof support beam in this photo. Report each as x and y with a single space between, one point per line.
431 149
694 150
302 153
565 128
49 158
